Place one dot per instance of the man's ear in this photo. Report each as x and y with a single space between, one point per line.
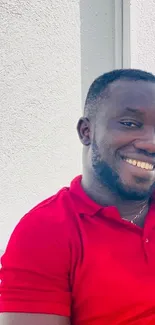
83 129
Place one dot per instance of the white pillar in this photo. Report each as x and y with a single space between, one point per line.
141 42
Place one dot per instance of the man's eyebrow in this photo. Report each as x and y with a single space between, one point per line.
134 110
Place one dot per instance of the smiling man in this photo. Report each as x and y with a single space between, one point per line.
86 256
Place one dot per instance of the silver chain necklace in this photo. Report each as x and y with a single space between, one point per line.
137 215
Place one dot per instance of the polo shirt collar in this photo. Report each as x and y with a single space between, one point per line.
85 205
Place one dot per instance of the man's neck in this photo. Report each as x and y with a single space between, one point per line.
103 196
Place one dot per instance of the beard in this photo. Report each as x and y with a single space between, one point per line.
109 178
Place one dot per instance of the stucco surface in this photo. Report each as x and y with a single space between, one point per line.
40 94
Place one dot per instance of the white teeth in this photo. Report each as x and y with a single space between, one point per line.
141 164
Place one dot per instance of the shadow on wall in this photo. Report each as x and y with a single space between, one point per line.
97 40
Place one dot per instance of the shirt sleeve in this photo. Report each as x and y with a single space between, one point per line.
35 267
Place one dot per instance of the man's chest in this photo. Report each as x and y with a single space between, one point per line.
115 273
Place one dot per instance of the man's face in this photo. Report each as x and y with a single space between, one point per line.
122 149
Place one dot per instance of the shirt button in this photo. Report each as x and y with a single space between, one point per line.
146 240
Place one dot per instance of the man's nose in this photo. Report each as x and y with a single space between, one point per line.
146 142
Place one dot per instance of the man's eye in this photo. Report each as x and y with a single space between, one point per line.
130 124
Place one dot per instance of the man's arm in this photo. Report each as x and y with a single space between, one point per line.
32 319
35 284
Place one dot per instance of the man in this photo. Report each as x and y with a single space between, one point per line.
87 254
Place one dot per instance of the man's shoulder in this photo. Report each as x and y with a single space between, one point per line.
48 223
54 217
56 208
52 204
59 208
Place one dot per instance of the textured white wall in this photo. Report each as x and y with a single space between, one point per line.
40 94
142 17
45 46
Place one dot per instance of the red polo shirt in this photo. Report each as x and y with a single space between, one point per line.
70 256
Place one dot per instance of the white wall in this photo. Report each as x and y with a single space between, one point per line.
142 34
46 46
40 93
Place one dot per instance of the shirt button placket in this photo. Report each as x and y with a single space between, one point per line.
146 248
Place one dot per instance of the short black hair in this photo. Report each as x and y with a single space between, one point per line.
101 83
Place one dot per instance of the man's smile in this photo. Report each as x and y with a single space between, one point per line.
140 164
